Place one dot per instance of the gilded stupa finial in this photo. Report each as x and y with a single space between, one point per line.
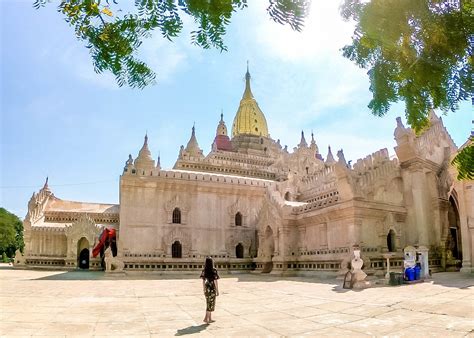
249 119
248 92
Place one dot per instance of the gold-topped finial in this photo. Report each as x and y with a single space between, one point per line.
249 119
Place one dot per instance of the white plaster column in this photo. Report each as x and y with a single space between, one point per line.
55 244
466 218
420 203
283 234
323 236
302 238
40 235
353 233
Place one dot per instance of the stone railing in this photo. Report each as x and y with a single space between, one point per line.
212 177
320 202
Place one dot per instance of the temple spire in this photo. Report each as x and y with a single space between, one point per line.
221 127
144 159
248 92
314 146
330 159
193 147
303 143
45 186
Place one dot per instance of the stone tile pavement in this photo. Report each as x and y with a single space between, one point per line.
94 304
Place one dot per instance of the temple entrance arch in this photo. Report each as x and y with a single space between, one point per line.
176 250
453 240
268 250
83 254
391 241
239 251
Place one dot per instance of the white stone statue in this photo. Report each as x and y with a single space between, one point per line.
356 264
358 276
112 264
19 258
409 254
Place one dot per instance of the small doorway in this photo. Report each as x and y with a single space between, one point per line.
176 250
391 241
239 251
453 241
83 253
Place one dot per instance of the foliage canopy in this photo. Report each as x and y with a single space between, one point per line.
464 161
417 51
113 38
11 233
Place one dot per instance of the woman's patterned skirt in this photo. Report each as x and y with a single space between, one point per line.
210 294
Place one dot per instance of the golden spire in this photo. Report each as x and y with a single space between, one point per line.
249 119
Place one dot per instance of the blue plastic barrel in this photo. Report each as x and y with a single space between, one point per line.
417 272
410 273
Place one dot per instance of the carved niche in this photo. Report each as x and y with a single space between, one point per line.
233 209
174 235
245 238
84 226
177 202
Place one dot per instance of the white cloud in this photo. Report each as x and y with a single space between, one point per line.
323 35
78 62
165 58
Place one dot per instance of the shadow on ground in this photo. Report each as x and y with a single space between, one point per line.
448 279
191 329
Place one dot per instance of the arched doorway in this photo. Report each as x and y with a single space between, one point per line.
268 250
176 216
391 241
239 251
238 219
176 250
453 240
83 254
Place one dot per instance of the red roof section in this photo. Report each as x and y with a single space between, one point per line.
223 142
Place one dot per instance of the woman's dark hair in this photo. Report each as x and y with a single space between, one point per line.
209 268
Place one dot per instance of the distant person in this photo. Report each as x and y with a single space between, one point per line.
210 287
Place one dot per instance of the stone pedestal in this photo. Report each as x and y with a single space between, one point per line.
387 256
423 260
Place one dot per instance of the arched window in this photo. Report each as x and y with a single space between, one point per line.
287 196
238 219
239 251
176 250
177 216
391 241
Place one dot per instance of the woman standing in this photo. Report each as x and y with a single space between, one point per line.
210 287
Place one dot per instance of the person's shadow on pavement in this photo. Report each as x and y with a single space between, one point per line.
191 329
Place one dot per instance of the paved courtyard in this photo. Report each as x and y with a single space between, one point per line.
92 303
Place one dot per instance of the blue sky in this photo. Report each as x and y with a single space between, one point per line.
60 119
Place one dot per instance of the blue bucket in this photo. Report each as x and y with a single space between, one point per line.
410 274
417 272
